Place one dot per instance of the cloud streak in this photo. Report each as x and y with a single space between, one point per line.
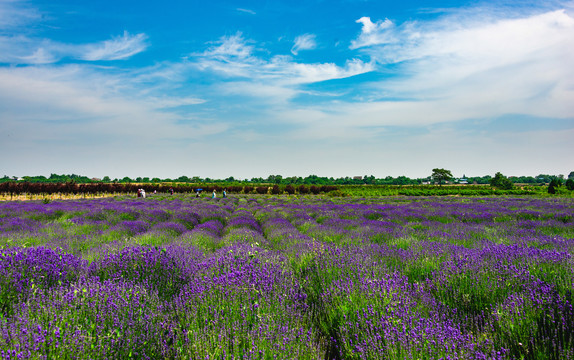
26 50
304 42
15 14
247 11
118 48
234 56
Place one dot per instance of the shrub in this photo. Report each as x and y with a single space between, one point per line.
290 189
501 182
302 189
328 188
262 190
248 189
552 186
275 190
235 189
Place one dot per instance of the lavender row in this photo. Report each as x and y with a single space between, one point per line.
288 278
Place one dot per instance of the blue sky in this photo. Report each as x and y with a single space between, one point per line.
253 88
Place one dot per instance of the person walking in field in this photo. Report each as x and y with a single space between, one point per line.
143 193
213 196
171 191
224 193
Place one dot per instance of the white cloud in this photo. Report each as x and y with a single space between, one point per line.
40 56
278 79
15 14
81 103
248 11
374 33
234 57
21 49
118 48
20 44
304 42
229 48
486 67
171 102
301 73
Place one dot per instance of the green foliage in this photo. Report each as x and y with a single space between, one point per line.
570 184
553 186
441 175
501 182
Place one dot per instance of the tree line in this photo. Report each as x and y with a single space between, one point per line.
293 180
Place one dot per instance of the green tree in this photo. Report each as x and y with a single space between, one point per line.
274 179
441 175
501 182
570 184
552 186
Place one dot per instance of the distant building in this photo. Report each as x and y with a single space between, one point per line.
357 178
95 179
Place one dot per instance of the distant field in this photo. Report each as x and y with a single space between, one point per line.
288 277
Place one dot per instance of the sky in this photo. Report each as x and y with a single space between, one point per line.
254 88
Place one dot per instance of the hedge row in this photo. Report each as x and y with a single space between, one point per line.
18 188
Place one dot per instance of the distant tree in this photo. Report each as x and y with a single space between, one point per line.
570 184
401 180
552 186
106 179
501 182
369 179
571 175
274 179
126 180
441 175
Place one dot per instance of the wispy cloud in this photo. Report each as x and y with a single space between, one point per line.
304 42
248 11
27 50
68 99
16 14
230 47
235 56
118 48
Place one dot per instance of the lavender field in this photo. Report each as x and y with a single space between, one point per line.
251 277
